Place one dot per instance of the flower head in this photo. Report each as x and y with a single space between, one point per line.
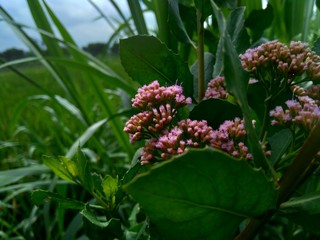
291 61
304 112
147 123
153 95
216 89
187 134
265 55
229 138
314 93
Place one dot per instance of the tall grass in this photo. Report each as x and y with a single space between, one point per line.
70 99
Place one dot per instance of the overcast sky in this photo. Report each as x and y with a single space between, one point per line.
78 16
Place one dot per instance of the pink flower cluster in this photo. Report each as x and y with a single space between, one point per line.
153 95
159 106
230 138
287 61
166 139
196 134
304 113
216 89
176 141
314 93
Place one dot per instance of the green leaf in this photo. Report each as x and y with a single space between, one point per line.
84 171
279 143
58 167
176 24
316 46
202 194
134 168
110 187
40 196
318 4
218 66
98 227
304 211
137 16
204 7
237 31
217 111
146 59
236 80
14 175
259 20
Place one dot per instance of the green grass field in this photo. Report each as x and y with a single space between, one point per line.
32 124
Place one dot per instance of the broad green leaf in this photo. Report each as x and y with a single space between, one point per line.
176 24
304 211
13 175
58 167
217 111
40 196
202 194
146 59
265 18
279 144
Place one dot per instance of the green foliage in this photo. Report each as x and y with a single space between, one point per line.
223 110
304 211
145 59
75 105
207 198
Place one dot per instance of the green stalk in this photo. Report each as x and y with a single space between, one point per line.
200 51
137 15
122 16
300 164
297 171
161 13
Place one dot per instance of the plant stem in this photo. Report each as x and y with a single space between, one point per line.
200 51
297 171
300 164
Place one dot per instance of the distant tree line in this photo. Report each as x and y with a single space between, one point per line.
96 49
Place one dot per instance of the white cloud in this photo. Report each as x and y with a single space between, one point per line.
78 16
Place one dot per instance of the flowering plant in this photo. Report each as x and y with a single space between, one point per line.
238 155
226 149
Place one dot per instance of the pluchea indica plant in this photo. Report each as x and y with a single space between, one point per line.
287 78
226 149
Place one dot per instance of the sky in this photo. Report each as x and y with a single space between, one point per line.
78 16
